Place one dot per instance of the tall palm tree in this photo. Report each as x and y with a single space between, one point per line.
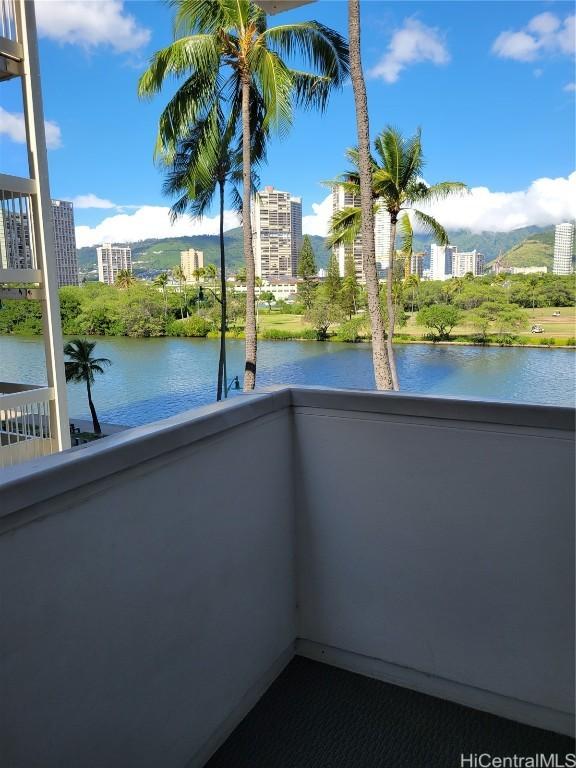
161 281
380 354
397 186
201 165
180 275
412 282
230 57
81 367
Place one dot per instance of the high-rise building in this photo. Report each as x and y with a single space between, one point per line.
277 230
111 260
563 249
343 198
191 261
65 242
441 259
416 265
464 262
16 246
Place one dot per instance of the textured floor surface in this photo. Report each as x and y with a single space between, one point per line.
317 716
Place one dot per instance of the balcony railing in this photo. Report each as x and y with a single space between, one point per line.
25 428
18 261
156 582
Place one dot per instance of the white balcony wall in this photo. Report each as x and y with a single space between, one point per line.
155 582
436 549
147 593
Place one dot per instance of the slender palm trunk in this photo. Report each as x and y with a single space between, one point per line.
95 422
390 306
180 297
382 372
250 329
222 375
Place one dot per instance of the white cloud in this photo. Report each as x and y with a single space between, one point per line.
12 125
544 34
150 221
92 201
413 43
317 222
90 23
570 87
545 202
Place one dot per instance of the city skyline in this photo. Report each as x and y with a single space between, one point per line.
518 163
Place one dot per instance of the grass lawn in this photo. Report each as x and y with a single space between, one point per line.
281 322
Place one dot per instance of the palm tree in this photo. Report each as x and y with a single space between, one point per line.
228 55
380 354
180 275
161 281
412 282
124 279
81 367
397 186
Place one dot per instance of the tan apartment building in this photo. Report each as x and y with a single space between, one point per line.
191 261
277 230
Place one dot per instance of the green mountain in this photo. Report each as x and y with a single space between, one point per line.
537 250
155 255
528 246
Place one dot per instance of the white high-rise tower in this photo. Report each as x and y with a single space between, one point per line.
277 229
563 248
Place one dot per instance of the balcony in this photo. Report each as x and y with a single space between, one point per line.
298 577
25 426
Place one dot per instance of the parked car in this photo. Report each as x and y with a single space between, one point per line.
537 329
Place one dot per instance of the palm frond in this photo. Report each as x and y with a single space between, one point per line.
406 234
344 226
324 48
274 81
431 226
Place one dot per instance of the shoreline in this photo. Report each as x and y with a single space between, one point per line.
329 340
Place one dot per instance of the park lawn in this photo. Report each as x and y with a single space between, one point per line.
280 321
561 327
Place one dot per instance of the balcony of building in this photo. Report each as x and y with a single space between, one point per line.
299 577
25 426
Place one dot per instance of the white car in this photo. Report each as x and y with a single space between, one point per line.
537 329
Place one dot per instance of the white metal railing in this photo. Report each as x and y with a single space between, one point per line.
18 260
8 20
25 424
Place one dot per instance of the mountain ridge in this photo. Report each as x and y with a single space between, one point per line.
157 254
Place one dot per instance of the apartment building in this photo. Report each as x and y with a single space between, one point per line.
16 246
277 231
441 259
191 261
65 242
563 249
343 198
111 260
465 262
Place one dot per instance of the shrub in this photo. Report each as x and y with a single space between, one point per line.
194 326
351 330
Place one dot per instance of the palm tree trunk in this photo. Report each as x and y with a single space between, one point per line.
250 328
95 422
222 382
390 306
381 364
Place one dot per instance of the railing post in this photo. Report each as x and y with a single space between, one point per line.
42 221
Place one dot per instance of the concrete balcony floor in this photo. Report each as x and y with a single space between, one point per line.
317 716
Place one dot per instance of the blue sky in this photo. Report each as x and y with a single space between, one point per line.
490 83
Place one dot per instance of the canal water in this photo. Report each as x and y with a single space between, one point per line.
150 379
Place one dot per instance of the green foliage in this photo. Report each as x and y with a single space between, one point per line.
350 290
194 326
323 313
333 283
440 318
307 268
353 330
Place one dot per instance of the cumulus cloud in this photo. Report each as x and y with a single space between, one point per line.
545 202
544 34
317 222
413 43
92 201
570 87
147 222
90 23
12 125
